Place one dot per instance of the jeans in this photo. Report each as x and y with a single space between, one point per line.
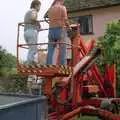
31 37
57 34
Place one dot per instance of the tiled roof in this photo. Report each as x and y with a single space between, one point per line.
78 5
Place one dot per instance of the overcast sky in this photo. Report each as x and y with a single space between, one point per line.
12 12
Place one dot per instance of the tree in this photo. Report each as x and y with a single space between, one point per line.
7 62
110 45
10 80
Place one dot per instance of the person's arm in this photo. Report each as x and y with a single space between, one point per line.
34 19
66 17
46 17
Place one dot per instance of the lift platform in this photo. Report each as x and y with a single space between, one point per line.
45 70
39 69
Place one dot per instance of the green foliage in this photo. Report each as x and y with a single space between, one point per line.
87 118
6 71
7 63
14 83
110 45
10 81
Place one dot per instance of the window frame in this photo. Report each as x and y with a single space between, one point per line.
89 32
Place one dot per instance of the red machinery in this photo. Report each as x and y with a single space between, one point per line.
80 84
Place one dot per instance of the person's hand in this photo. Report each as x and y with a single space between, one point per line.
69 32
69 27
38 25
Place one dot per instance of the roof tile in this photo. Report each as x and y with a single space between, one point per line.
78 5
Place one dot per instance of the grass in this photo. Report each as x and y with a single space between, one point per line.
87 118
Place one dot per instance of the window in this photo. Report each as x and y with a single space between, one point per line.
86 26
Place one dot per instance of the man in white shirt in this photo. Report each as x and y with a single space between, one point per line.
31 29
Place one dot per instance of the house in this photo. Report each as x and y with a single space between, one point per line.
93 15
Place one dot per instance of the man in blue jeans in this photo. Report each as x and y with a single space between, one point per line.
58 23
31 29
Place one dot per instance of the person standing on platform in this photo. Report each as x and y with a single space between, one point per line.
31 29
58 25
